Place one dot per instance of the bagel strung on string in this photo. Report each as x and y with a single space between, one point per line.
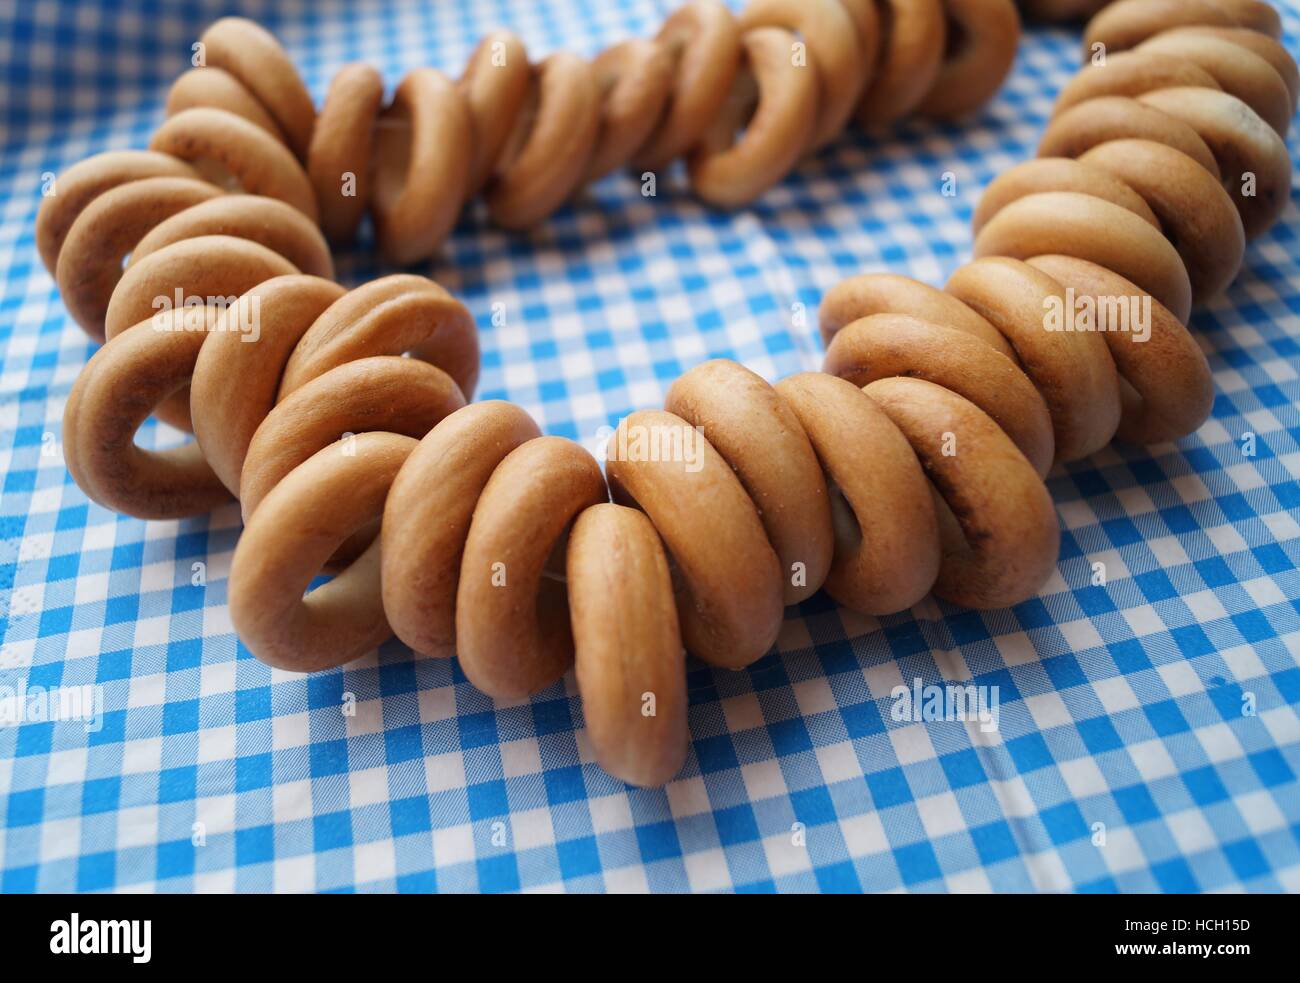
741 97
913 464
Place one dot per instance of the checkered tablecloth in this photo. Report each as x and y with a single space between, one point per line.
1148 738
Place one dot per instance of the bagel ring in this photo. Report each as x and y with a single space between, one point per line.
838 59
295 530
85 181
513 635
121 384
341 147
725 171
427 518
257 162
1009 537
887 554
756 433
107 230
627 645
729 579
419 173
225 417
389 316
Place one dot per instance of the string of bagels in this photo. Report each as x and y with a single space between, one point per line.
912 464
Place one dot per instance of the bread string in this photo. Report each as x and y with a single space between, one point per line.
787 75
790 73
912 464
816 481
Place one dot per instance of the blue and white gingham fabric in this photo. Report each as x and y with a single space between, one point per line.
1148 739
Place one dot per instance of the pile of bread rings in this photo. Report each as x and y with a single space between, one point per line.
913 463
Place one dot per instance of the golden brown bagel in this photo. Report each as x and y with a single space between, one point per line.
1105 118
635 79
1072 370
1196 214
218 89
420 168
338 159
1128 23
911 57
118 388
495 83
702 40
986 32
513 634
758 434
272 223
107 230
427 518
254 160
838 67
1131 73
1080 225
383 392
393 315
887 293
1165 385
1006 539
884 346
886 536
85 181
252 55
226 416
1253 162
214 266
1237 70
627 646
549 149
1058 174
730 583
726 171
286 542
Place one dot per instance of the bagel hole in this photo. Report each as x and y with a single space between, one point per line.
352 546
521 129
735 115
844 521
556 566
885 20
356 543
215 172
390 159
956 42
952 536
